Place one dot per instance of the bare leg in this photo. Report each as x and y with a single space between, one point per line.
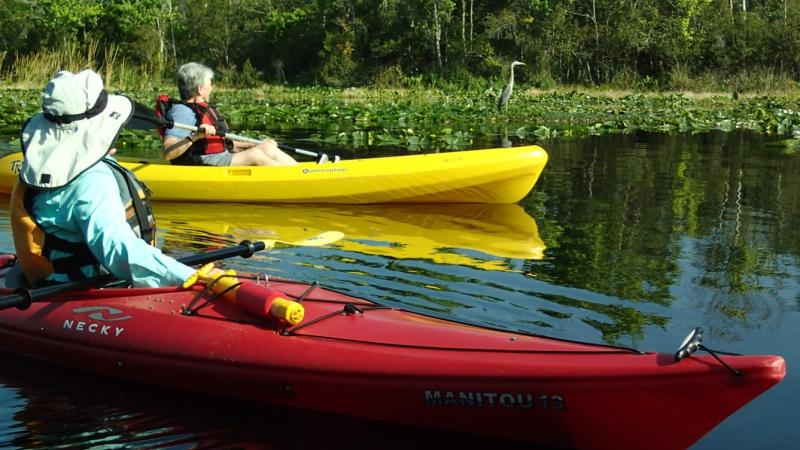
270 149
265 154
249 157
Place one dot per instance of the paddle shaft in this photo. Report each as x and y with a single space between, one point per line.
240 138
245 249
22 298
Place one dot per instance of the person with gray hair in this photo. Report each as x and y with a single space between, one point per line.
208 145
190 76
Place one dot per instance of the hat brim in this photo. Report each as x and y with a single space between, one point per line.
57 154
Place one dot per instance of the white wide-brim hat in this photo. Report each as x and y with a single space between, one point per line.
79 124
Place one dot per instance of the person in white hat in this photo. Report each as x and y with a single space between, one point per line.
75 212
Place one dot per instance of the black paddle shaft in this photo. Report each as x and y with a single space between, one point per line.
22 298
245 249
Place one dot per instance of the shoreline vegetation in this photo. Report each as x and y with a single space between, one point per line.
31 71
425 114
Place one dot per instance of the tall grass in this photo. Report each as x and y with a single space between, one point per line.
751 81
762 80
35 69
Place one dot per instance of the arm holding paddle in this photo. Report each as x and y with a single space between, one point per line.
22 298
173 147
143 118
102 222
240 153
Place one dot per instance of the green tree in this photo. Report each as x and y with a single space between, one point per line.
62 21
132 24
17 33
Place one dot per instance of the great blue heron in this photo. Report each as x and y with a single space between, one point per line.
506 94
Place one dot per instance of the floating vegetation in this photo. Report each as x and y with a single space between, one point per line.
420 119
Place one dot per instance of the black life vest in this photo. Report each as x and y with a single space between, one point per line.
204 113
34 247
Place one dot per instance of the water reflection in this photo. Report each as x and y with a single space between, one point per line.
45 406
487 237
639 218
636 240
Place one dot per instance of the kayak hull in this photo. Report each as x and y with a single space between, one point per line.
503 175
392 365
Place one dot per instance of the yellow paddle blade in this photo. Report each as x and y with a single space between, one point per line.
324 238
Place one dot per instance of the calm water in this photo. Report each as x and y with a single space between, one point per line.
631 240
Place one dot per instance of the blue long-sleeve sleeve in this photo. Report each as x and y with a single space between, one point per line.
180 113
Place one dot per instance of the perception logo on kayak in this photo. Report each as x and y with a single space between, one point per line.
325 170
99 314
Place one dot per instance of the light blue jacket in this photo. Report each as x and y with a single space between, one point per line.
89 209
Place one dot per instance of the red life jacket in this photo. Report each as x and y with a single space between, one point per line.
204 114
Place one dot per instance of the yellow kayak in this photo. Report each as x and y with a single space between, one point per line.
503 175
436 233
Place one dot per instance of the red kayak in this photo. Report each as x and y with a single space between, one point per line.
355 357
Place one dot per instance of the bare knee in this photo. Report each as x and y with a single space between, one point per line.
250 157
267 148
271 151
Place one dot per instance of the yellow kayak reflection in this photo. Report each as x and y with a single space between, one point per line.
438 233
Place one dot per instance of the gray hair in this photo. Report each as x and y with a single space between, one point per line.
191 76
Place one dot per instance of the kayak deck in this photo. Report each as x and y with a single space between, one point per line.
355 357
502 175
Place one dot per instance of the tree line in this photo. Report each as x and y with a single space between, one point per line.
633 43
